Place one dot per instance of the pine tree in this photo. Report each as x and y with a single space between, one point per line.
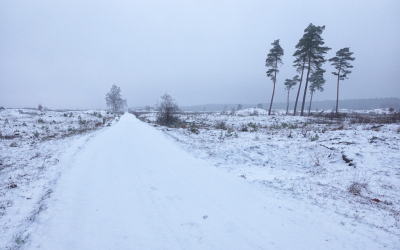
289 84
310 49
316 82
273 60
300 64
341 62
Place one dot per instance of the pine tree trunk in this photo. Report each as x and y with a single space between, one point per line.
272 99
287 107
298 92
305 89
273 92
309 108
337 95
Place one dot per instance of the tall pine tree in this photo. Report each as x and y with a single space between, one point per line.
316 82
341 62
289 84
274 58
310 47
300 64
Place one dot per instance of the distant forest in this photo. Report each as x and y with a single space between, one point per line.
358 104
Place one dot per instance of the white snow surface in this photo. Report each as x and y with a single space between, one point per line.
132 187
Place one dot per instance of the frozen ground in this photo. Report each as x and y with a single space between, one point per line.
347 168
131 187
31 147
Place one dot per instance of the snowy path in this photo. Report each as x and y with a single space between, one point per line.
131 187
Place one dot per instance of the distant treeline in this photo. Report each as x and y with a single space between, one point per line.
358 104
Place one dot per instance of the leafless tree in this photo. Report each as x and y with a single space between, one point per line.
167 111
114 100
40 107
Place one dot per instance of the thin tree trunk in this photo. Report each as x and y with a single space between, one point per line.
309 108
287 107
272 99
298 92
305 89
337 95
273 92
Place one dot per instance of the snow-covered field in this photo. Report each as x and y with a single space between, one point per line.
349 168
68 181
31 145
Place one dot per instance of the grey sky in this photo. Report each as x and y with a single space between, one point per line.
68 54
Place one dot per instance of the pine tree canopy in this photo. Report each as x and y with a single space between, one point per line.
317 80
274 58
310 47
341 62
290 83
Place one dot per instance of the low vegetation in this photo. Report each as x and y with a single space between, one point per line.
31 142
347 163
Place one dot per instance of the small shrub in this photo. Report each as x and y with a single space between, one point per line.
229 133
193 128
275 126
40 120
254 113
359 183
356 188
314 138
82 122
304 132
36 134
244 128
220 125
22 240
253 127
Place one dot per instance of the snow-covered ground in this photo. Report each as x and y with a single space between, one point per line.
31 147
350 169
248 182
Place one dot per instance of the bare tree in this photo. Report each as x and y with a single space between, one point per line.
239 107
167 111
40 107
114 100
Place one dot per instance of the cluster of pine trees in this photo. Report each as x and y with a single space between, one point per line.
309 58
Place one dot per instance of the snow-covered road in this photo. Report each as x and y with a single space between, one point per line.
131 187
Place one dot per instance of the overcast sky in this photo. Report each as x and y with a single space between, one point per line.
68 54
